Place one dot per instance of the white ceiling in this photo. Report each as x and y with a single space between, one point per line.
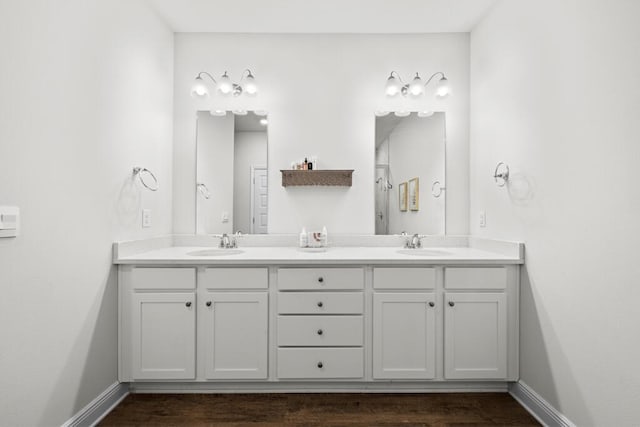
322 16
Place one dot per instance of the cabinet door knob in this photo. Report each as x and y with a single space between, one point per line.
451 303
432 304
188 304
320 279
320 332
320 304
208 303
320 364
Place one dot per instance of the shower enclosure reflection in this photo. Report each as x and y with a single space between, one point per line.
408 147
231 173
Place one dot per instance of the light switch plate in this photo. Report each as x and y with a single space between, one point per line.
9 221
483 219
146 218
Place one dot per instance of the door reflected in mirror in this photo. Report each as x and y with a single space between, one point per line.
410 154
231 173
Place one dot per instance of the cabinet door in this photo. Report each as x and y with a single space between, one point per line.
404 331
475 335
163 336
236 325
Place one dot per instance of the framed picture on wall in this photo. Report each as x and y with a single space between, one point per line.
414 194
402 196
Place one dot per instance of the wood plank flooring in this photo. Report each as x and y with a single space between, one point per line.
332 410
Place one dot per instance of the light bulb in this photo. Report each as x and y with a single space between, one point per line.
199 89
416 88
260 112
442 88
240 112
381 113
218 113
264 122
225 86
250 86
402 113
393 86
425 113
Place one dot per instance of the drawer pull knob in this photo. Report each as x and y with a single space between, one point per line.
208 303
188 304
320 279
320 332
451 303
432 304
320 304
320 364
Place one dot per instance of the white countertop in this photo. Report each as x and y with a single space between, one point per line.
287 255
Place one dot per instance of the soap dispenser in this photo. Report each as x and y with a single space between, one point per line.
324 238
304 242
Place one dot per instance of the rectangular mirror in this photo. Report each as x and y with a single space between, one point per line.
231 172
410 173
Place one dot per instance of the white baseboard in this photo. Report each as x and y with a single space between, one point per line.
320 387
99 407
544 412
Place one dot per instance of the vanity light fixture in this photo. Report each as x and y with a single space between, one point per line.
395 85
224 85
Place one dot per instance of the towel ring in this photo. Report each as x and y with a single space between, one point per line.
151 186
439 189
203 190
501 177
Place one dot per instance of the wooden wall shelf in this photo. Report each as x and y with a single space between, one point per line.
316 177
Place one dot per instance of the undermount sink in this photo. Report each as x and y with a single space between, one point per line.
423 252
215 252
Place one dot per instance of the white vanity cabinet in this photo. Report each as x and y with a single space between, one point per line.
234 319
158 324
480 315
362 323
179 325
404 323
320 323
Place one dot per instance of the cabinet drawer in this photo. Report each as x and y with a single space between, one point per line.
234 278
320 363
320 278
333 331
404 278
475 278
163 278
320 303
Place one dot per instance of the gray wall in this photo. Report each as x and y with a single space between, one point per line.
86 95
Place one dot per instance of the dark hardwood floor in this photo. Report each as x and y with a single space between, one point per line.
335 409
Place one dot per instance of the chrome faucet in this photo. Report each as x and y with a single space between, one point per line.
414 242
227 242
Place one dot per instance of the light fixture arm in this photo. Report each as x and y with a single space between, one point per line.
201 73
397 76
248 74
433 75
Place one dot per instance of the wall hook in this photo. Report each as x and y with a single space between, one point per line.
501 174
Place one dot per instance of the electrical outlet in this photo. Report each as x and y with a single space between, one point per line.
483 219
225 216
146 218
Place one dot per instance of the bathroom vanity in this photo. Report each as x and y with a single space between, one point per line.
272 317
